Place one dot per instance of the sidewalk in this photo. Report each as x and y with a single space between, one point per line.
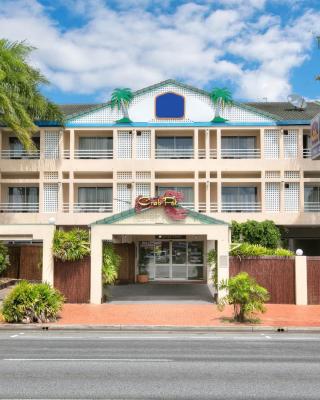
184 315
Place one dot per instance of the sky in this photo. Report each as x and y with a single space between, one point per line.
259 49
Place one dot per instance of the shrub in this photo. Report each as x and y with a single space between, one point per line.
213 261
4 258
110 265
254 250
32 302
71 245
246 296
264 233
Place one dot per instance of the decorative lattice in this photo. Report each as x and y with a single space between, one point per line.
194 99
50 193
51 144
143 189
292 174
124 196
124 175
50 175
272 196
124 144
143 175
290 144
271 143
291 196
272 174
143 145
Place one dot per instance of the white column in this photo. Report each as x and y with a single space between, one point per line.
60 192
300 143
262 194
262 143
219 189
153 144
207 143
115 143
71 192
211 245
301 280
281 145
196 191
61 144
223 261
47 258
42 144
134 144
301 194
196 143
71 144
208 194
41 191
218 143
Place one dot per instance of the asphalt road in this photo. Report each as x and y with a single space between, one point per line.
123 365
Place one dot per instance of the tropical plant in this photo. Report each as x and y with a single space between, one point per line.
71 245
121 98
21 102
264 233
245 295
212 258
32 302
221 98
255 250
4 258
110 264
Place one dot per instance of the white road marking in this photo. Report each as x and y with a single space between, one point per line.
92 359
14 336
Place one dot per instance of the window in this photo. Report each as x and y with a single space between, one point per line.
174 147
23 199
238 146
187 192
239 194
95 147
17 150
312 194
94 199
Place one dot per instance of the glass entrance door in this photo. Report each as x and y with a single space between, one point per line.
172 260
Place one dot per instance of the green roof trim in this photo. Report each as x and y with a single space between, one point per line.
205 219
180 84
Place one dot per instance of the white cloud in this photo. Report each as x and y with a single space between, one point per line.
130 46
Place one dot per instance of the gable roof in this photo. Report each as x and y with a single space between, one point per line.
205 219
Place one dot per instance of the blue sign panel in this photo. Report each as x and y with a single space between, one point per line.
170 105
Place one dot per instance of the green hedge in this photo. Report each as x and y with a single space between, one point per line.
264 233
32 302
252 250
4 258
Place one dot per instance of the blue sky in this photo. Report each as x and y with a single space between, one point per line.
258 48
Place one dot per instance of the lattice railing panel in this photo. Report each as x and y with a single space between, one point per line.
292 174
290 144
291 196
272 174
124 175
143 189
50 175
51 144
271 143
124 196
124 149
272 196
143 145
143 175
50 200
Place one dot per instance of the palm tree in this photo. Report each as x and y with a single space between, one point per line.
121 98
221 97
21 103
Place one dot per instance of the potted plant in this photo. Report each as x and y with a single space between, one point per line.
110 268
143 276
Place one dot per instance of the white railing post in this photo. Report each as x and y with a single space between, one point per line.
301 283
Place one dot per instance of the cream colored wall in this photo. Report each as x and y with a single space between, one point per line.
179 172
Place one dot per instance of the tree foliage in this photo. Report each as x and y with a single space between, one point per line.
121 98
4 258
71 245
21 102
32 302
245 295
110 264
255 250
264 233
212 258
221 98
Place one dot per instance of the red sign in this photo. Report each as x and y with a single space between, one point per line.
169 201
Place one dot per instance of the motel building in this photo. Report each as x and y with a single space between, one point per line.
162 188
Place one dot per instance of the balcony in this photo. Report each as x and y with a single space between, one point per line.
93 154
19 207
89 207
202 153
19 155
241 207
174 153
312 206
240 153
306 153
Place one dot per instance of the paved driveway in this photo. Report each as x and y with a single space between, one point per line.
160 293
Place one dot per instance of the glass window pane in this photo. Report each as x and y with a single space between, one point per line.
183 143
165 142
195 253
146 256
162 252
195 272
179 252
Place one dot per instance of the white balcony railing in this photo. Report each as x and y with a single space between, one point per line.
20 154
19 207
93 154
241 207
306 153
66 154
312 206
202 153
188 205
213 207
202 207
174 153
92 207
240 153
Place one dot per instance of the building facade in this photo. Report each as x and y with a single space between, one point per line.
256 165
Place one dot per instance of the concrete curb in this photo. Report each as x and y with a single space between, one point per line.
157 328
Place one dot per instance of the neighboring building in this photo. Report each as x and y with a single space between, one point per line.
256 165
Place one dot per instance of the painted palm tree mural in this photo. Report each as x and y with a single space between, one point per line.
121 98
221 98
